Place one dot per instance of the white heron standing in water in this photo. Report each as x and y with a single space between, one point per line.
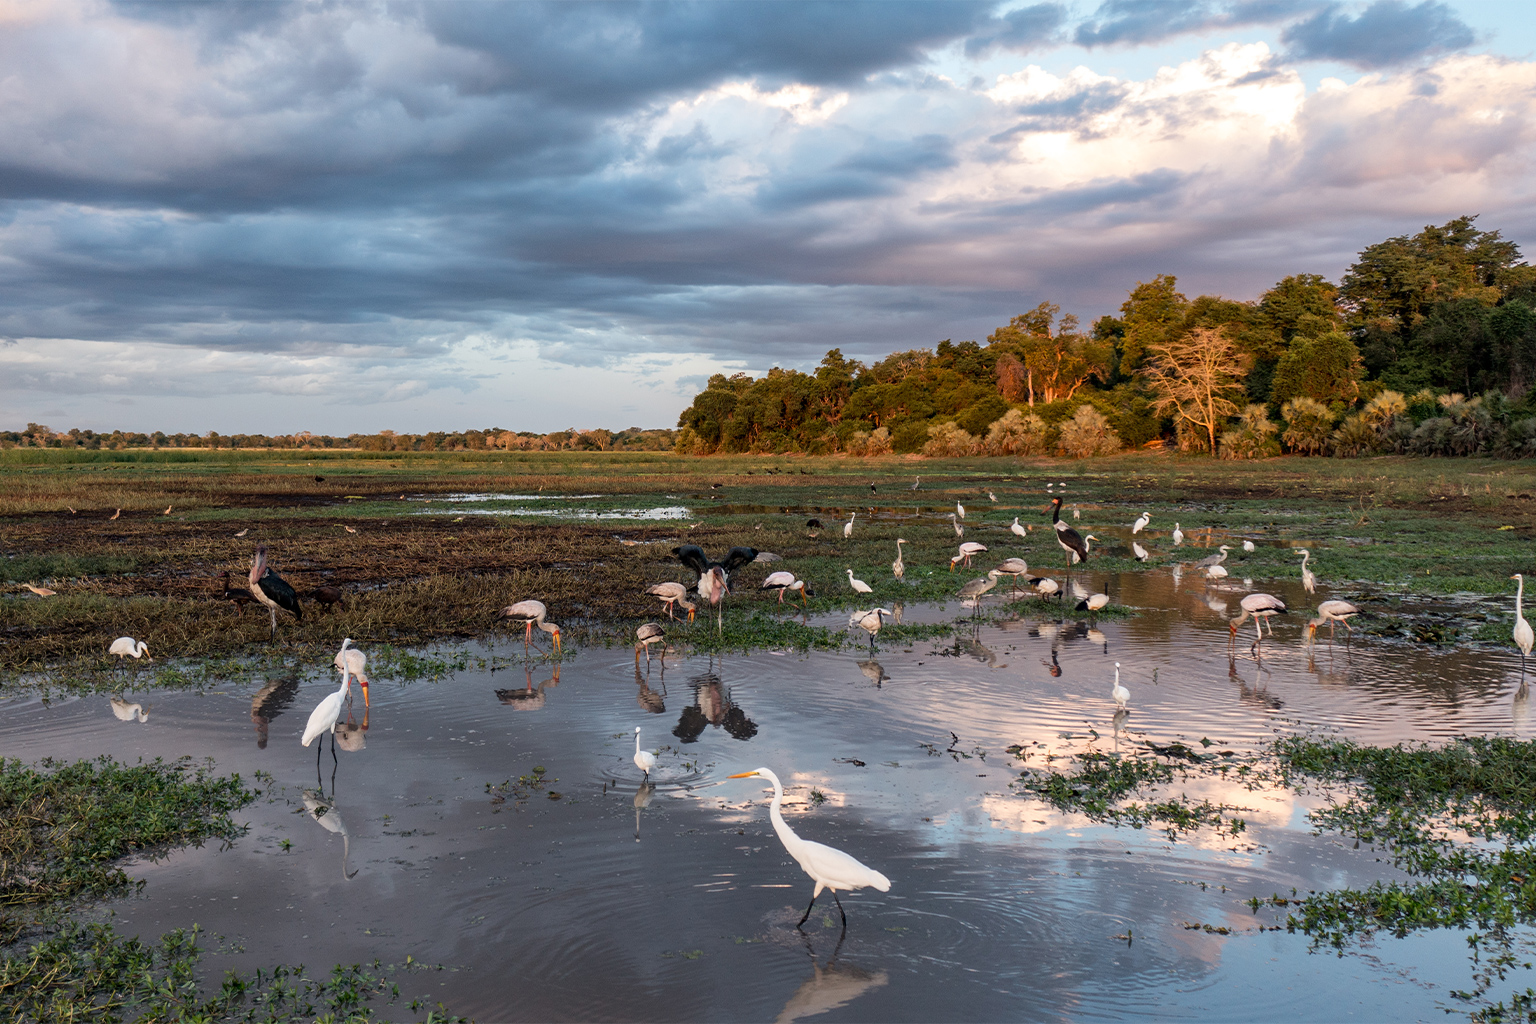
644 759
1119 693
1524 637
323 720
1178 535
127 646
1141 523
828 868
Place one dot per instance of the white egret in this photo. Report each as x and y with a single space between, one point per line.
959 510
1248 547
899 567
127 646
828 868
531 613
352 664
1331 612
1308 580
991 496
848 526
1178 535
1523 634
1119 693
644 759
1141 523
1216 572
1018 531
323 720
859 586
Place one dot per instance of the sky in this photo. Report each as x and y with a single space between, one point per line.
346 217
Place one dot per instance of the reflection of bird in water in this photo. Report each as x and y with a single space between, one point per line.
898 567
978 650
1119 693
1261 607
531 613
350 735
269 702
869 621
648 699
1255 694
712 707
272 590
642 801
353 663
970 549
528 698
1308 578
1098 637
650 633
1216 604
1053 666
128 647
828 868
126 712
324 811
829 988
322 721
859 586
1331 612
645 760
874 672
1117 721
1520 712
1077 590
1524 637
1139 551
673 594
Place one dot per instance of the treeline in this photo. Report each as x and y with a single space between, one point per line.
1427 345
494 438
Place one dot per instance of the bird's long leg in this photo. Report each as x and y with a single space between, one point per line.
840 909
273 613
333 752
807 913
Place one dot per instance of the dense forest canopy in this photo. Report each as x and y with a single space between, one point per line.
1428 344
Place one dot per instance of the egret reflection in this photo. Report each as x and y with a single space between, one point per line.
829 987
269 702
643 797
127 712
323 809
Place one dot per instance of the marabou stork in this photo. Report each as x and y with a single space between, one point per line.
1332 612
783 581
1070 540
1261 607
531 613
714 581
272 590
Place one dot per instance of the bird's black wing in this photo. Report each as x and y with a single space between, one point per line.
693 557
284 596
1074 540
738 557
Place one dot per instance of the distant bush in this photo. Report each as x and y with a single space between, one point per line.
1088 433
1253 437
1017 434
950 440
1309 424
1356 436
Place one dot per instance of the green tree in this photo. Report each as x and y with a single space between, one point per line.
1152 315
1327 369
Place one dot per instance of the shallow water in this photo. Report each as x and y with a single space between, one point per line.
617 901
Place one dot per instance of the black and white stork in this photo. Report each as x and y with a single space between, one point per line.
714 581
272 590
1070 540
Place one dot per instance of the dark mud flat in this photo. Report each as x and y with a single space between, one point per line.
546 907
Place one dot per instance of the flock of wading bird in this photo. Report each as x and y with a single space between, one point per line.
829 868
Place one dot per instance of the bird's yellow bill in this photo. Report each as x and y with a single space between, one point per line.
743 775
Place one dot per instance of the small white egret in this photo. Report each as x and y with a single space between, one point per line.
1141 523
848 526
1215 572
1018 531
644 759
1524 637
1178 535
1308 579
323 720
991 496
127 646
959 510
1248 547
859 586
1119 693
828 868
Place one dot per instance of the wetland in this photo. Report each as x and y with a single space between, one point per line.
1298 831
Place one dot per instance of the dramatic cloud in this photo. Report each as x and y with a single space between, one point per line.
418 216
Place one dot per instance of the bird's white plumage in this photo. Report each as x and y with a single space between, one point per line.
898 567
1178 535
127 646
829 868
848 526
644 759
1141 522
1139 551
127 712
1119 693
1216 572
1524 637
323 719
1018 531
1308 579
1249 547
859 585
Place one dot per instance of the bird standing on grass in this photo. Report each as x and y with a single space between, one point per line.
828 868
40 591
1070 540
127 646
1178 535
714 581
644 759
967 551
848 526
786 581
272 590
1019 531
859 586
673 594
1524 637
959 510
531 613
898 567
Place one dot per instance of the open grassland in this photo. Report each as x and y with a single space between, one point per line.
369 524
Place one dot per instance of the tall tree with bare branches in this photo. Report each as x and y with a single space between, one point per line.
1198 378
